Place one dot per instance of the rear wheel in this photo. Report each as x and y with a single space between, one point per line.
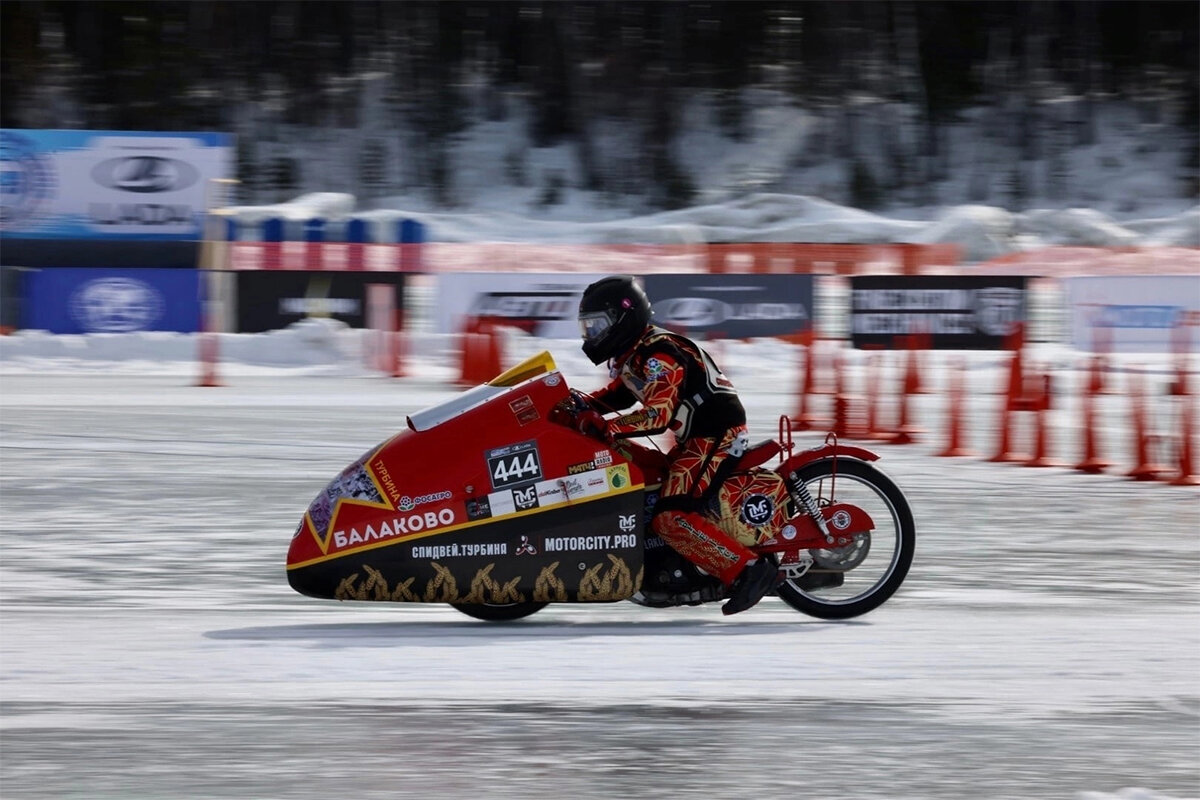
498 613
852 580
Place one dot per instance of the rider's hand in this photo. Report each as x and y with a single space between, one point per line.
592 423
581 399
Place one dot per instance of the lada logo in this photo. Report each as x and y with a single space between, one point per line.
145 174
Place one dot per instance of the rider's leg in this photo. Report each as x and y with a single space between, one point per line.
698 540
694 465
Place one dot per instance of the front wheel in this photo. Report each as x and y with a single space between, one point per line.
498 613
852 580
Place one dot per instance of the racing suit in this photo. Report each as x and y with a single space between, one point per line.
682 390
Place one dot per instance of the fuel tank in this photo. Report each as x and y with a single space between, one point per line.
482 499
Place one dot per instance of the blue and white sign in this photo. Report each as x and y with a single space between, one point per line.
62 300
1131 314
108 184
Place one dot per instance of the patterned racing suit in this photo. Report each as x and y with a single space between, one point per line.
681 389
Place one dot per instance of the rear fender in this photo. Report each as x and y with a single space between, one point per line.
824 451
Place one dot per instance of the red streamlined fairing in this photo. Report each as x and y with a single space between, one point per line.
482 500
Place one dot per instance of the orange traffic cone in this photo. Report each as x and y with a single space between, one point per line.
804 419
1187 465
209 347
1041 436
1092 462
956 402
1144 470
906 433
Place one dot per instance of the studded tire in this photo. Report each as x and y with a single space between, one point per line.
869 578
504 612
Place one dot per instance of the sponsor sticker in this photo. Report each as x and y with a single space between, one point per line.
514 465
650 500
396 526
586 466
618 476
407 503
439 551
553 492
840 520
385 479
525 499
757 509
603 458
478 508
524 410
560 544
573 488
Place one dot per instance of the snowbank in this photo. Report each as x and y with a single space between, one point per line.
983 232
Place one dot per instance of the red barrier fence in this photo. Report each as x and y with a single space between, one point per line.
436 257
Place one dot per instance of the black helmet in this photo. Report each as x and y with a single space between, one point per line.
613 312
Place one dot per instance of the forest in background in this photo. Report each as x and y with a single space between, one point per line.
1030 76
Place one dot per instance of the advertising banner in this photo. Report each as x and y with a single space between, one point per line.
69 300
545 305
1132 314
107 184
731 306
268 301
955 312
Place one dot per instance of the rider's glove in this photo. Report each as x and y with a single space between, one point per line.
581 400
592 423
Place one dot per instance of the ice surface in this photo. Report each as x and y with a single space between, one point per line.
1045 644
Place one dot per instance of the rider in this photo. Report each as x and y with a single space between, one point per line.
681 389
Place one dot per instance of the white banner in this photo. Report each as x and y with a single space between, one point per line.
544 304
79 184
1132 314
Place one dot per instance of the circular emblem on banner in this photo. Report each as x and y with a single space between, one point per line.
116 305
28 181
840 520
997 308
690 312
757 509
145 174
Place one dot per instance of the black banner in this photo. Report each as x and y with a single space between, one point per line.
731 306
953 312
273 299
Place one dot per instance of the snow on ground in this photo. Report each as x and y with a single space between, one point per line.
1045 644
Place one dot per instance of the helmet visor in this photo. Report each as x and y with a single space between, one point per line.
594 325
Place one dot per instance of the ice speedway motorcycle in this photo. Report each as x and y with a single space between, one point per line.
494 503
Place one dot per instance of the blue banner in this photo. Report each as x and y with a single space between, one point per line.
131 185
65 300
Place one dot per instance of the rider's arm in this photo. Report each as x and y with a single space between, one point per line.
613 397
660 398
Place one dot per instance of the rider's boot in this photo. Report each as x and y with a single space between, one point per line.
752 585
699 540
